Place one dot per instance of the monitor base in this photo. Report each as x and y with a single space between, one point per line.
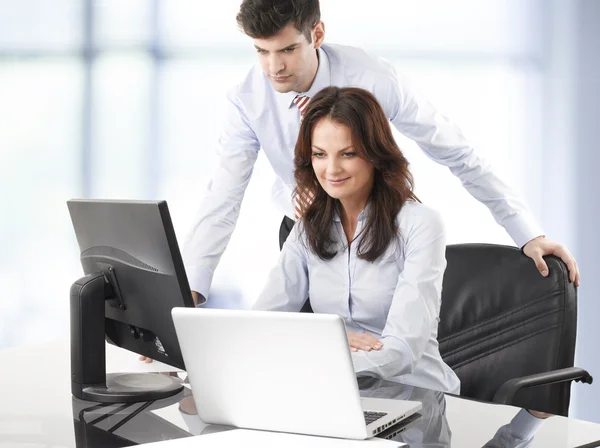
89 380
131 388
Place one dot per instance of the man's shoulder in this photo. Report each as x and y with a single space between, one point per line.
356 61
250 85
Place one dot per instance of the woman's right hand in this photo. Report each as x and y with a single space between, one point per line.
363 341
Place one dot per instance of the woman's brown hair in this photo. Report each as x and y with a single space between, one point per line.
372 140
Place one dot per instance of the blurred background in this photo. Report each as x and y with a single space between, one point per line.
122 99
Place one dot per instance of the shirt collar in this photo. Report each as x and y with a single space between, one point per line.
322 80
361 217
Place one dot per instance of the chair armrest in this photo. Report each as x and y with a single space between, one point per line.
507 391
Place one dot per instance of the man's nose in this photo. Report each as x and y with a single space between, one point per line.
275 64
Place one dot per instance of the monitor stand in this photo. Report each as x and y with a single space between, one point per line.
89 380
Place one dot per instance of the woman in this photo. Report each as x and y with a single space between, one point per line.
365 248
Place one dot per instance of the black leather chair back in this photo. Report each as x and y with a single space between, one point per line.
500 319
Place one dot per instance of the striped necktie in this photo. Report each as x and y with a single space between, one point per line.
301 101
302 199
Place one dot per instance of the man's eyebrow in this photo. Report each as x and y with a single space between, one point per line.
289 47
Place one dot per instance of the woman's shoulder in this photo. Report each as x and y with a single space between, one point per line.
297 238
418 216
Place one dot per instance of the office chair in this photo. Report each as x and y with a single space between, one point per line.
507 332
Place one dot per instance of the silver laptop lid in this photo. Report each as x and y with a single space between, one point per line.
268 370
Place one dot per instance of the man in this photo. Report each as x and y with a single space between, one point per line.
264 111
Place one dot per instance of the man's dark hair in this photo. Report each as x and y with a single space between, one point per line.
263 19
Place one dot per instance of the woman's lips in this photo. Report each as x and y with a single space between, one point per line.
336 182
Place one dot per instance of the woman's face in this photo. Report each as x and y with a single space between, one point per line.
340 171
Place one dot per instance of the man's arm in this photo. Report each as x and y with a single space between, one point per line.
443 142
287 285
219 210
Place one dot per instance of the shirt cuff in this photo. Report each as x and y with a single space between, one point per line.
393 359
199 279
524 425
522 228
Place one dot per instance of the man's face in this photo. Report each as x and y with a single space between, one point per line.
288 60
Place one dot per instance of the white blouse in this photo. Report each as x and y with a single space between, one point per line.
397 298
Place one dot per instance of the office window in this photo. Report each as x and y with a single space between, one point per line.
39 165
192 26
120 125
122 23
39 25
136 116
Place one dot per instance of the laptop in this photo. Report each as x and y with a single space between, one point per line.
277 371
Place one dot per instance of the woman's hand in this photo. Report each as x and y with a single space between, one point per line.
363 341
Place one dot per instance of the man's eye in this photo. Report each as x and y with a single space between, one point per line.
289 50
261 51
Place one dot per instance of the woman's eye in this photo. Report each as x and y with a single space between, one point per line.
318 155
349 154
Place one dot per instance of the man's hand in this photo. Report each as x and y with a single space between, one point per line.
540 246
363 341
198 298
195 296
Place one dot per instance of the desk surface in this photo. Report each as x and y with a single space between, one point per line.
38 410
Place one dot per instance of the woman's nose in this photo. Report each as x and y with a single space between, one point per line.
333 166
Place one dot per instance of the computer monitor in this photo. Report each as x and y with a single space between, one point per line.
134 277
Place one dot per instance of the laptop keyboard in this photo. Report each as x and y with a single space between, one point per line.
370 417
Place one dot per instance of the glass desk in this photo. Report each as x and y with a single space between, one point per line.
38 410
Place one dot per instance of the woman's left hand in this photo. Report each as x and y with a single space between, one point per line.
363 341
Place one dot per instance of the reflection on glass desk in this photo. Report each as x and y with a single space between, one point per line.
38 410
117 425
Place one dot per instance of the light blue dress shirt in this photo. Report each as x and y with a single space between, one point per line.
396 298
258 117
